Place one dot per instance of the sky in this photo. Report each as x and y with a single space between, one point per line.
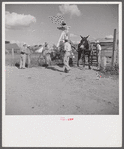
30 23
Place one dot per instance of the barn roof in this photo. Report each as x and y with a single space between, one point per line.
9 46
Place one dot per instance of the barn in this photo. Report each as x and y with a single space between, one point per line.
10 46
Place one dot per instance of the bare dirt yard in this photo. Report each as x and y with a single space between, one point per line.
50 91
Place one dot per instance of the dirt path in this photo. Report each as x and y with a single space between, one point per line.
41 91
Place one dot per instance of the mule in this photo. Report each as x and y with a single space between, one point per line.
84 49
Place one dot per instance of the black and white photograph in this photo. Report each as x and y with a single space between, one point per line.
62 59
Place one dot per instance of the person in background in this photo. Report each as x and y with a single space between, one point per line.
28 52
98 47
23 56
46 54
67 54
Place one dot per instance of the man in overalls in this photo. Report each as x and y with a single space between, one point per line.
67 50
23 56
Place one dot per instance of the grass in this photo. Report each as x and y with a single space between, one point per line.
111 70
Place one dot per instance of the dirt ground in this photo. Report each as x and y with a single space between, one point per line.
50 91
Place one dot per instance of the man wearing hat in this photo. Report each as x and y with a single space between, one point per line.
67 50
46 54
23 56
98 47
64 34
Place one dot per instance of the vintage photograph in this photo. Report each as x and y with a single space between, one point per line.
61 59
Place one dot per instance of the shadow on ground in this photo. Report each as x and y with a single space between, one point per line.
18 65
53 68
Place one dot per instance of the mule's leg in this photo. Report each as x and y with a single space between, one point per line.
50 61
83 58
89 61
79 56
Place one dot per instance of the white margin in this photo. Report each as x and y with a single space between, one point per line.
4 117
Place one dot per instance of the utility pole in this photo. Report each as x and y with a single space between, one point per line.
114 46
12 57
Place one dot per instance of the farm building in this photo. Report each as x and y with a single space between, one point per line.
10 46
107 49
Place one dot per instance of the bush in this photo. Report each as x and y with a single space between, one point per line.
112 70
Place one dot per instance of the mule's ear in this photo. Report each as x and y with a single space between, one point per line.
81 37
87 36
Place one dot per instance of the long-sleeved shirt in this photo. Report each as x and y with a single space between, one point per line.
64 35
67 47
24 49
99 47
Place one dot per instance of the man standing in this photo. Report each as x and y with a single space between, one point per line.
29 55
46 54
98 47
23 56
67 50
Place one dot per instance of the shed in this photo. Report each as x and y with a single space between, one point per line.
10 46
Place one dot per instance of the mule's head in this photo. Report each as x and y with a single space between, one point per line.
84 41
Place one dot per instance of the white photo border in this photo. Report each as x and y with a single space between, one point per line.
49 131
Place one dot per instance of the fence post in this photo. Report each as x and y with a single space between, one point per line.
114 46
117 52
12 57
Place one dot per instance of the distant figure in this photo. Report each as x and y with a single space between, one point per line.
46 54
67 54
23 56
98 47
28 52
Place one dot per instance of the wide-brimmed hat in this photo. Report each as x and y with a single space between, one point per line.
63 23
63 28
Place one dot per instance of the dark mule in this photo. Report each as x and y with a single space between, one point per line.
84 49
